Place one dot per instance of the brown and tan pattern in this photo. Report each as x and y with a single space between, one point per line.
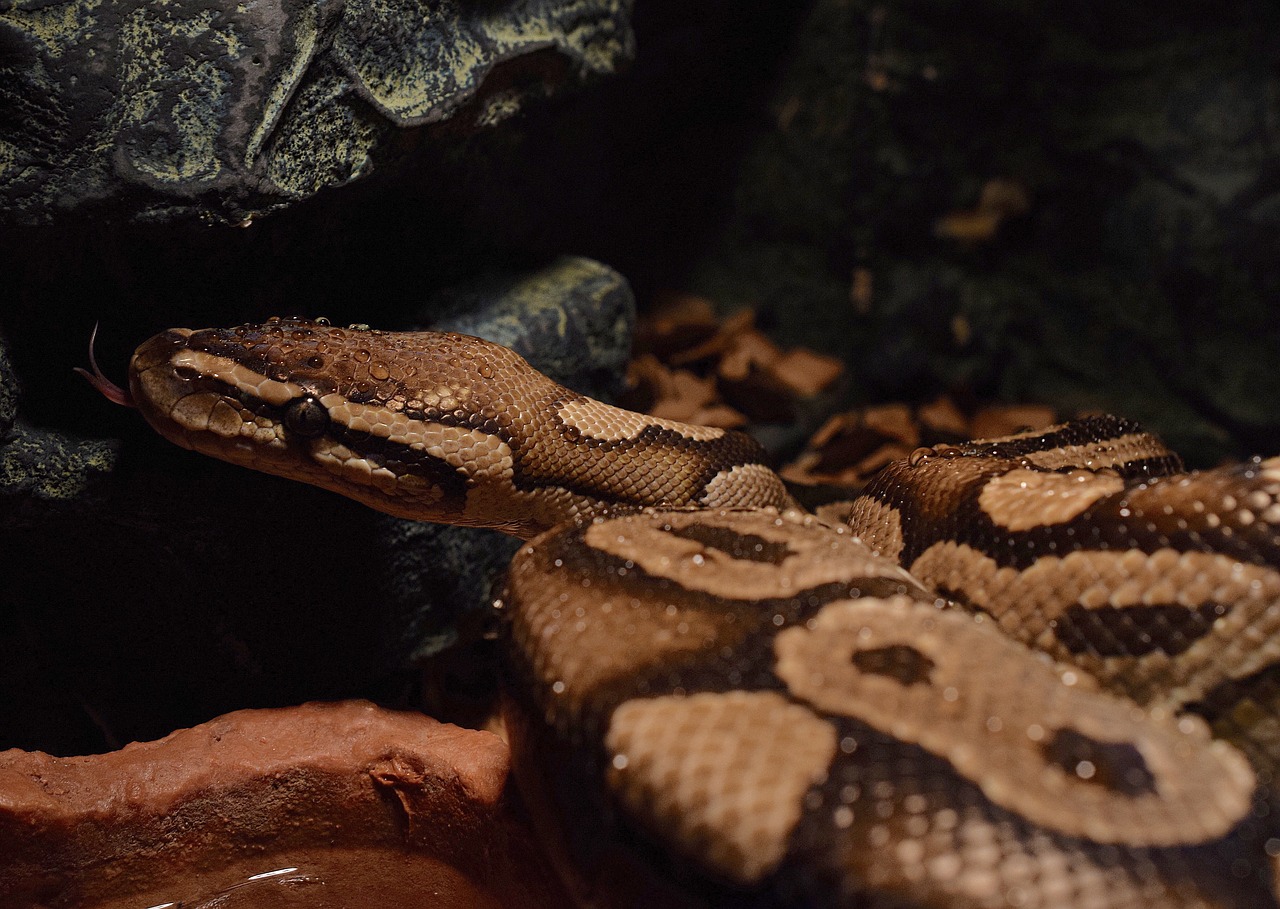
1164 585
926 676
965 771
760 708
723 775
430 426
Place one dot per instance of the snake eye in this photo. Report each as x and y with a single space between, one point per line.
306 417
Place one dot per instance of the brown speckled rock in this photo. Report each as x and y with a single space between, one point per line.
321 805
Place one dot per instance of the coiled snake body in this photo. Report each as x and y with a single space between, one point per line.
1028 676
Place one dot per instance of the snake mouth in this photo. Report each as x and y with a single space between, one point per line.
202 405
109 390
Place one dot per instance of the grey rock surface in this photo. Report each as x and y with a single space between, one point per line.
583 348
209 109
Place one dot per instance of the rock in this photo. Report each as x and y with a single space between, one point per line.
41 470
572 320
8 390
211 110
320 805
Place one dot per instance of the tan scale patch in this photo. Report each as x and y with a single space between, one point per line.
1031 433
722 776
816 554
1115 452
476 453
879 526
1212 498
498 505
563 626
985 704
745 486
194 412
342 462
1027 604
597 420
208 413
1269 475
229 421
1023 499
479 454
350 467
237 376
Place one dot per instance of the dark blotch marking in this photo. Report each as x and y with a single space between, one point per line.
1118 766
900 662
959 597
1237 702
748 663
603 462
1150 468
746 547
1097 430
1135 631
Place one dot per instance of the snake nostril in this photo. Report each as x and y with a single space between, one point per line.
186 373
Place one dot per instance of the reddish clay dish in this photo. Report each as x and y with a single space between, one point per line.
323 805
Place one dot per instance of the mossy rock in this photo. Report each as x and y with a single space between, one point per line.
221 111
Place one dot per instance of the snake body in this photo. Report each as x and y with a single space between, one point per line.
991 692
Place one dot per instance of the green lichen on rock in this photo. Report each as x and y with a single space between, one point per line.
172 89
8 391
327 142
205 108
38 465
414 79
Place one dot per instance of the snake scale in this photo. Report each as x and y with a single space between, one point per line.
1037 671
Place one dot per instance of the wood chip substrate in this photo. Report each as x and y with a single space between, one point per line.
692 366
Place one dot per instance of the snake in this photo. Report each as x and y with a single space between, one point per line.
1035 671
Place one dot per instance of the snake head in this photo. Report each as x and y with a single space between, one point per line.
432 426
399 421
